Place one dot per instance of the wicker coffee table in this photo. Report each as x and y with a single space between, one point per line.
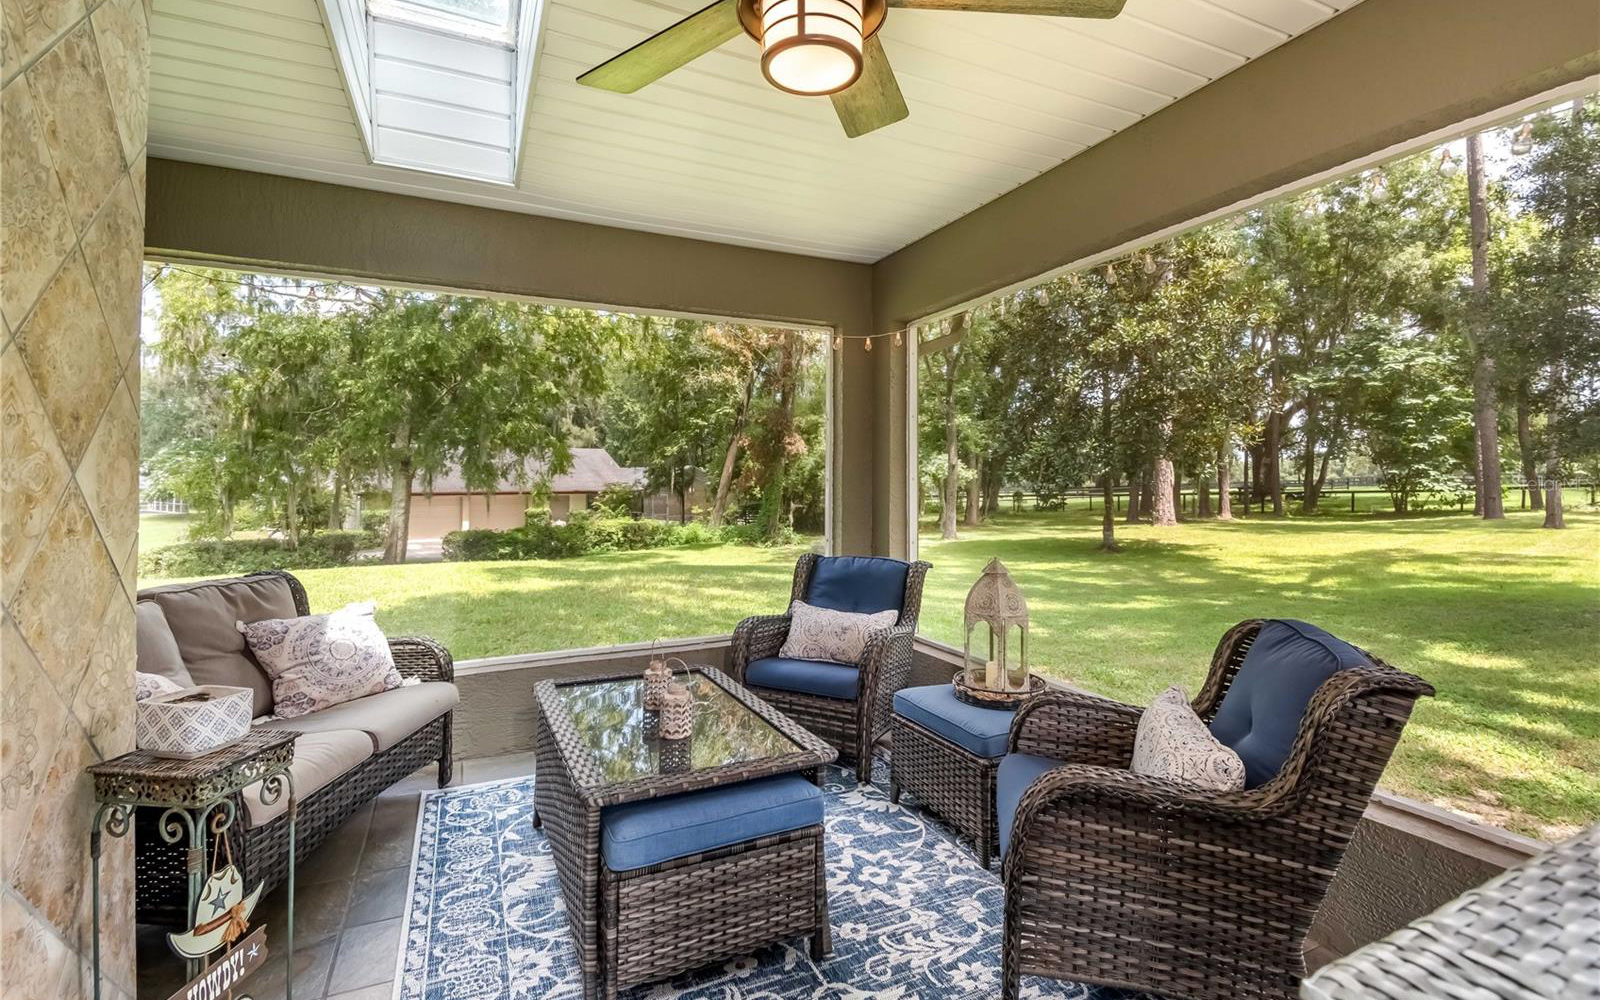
596 750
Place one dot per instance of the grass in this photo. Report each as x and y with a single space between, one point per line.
1504 619
157 531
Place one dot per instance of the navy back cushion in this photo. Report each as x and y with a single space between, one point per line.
1260 715
861 584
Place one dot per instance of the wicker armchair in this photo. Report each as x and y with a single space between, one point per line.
262 852
849 724
1118 879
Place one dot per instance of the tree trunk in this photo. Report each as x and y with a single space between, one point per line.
400 476
1308 484
1108 519
1147 492
1271 459
1245 484
719 507
784 414
1165 515
1224 485
1486 414
1530 469
1202 492
291 518
1134 495
225 501
335 508
974 492
952 456
1554 516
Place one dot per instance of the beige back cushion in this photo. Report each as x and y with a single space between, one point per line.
202 617
154 646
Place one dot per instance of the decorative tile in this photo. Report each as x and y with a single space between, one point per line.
33 472
104 702
114 250
29 26
69 354
139 172
34 225
31 723
69 90
61 603
117 926
120 28
34 962
109 475
51 871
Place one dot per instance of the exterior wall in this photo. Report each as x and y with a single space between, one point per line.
73 97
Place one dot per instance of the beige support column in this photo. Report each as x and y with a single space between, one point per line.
73 99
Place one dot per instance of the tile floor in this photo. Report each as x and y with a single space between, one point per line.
348 899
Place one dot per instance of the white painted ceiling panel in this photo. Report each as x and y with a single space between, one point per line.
712 151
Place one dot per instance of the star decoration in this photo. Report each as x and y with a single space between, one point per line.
219 902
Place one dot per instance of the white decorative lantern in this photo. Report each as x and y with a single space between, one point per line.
193 721
812 47
677 712
997 612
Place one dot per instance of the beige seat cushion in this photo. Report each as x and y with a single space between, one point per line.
319 760
202 617
388 717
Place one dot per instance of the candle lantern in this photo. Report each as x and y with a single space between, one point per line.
677 712
995 652
657 676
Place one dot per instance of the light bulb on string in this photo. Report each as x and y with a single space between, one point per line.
1149 263
1447 163
1111 275
868 344
1522 145
897 340
838 342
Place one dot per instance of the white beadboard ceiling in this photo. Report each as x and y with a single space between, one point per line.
711 151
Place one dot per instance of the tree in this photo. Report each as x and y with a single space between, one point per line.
1486 412
1550 303
439 380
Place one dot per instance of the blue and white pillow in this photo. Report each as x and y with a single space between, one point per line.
833 636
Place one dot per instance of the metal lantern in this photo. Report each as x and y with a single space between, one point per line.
997 611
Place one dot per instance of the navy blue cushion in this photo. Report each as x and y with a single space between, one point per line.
830 680
1260 715
981 731
637 834
1016 772
862 584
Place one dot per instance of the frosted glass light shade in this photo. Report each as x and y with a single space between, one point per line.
811 47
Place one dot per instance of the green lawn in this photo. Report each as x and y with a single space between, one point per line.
157 531
1504 619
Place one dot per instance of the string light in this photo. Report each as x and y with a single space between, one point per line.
1522 145
897 340
1149 263
1111 275
838 342
1447 163
869 343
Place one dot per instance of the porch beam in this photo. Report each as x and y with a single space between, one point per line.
1382 73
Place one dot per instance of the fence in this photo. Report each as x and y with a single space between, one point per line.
163 507
1188 499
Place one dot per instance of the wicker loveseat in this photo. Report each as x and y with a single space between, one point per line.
344 755
1118 879
846 705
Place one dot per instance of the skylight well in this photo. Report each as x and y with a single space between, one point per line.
440 85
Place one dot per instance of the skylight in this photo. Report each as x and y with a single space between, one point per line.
441 86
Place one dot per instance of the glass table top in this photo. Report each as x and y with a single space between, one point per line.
609 718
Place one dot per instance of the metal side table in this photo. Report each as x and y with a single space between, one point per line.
197 796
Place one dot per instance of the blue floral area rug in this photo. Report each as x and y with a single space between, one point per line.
914 917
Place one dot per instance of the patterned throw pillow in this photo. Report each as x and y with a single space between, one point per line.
148 685
1173 743
320 661
825 634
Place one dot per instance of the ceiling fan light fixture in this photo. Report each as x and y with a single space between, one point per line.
812 47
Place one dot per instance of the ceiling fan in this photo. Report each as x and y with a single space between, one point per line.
811 48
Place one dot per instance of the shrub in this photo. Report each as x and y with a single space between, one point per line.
585 533
232 556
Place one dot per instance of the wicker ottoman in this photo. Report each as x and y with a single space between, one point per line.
945 754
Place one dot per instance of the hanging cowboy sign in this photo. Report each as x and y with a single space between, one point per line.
222 920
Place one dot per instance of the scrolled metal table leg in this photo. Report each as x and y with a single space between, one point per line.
117 819
273 787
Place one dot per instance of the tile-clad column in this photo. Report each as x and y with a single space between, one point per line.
73 106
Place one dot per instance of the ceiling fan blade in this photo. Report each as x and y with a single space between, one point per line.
667 50
874 100
1049 8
